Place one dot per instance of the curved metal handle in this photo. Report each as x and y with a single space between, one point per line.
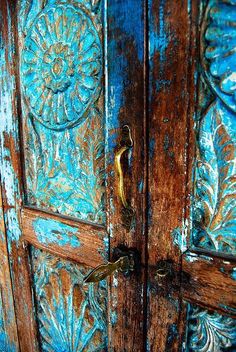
104 270
128 143
119 170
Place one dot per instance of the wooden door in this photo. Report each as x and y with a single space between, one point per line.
84 84
72 79
192 155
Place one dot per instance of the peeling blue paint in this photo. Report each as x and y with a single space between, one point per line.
233 275
152 143
159 38
13 228
5 344
180 239
49 231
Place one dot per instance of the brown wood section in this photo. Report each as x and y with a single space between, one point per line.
171 103
209 281
11 183
126 105
69 239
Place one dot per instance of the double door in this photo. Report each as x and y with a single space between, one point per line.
117 175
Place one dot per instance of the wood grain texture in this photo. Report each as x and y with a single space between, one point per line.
125 105
170 95
209 281
70 239
8 328
11 181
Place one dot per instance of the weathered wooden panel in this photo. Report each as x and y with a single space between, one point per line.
125 106
209 281
214 208
171 44
77 241
71 317
8 329
61 60
11 180
209 331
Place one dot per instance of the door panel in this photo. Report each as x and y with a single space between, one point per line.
63 107
208 280
126 106
118 130
71 317
214 210
191 177
170 85
66 139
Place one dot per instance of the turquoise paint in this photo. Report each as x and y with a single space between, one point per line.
64 84
68 321
140 186
233 275
54 232
158 37
209 332
63 110
228 309
179 237
220 52
214 202
5 344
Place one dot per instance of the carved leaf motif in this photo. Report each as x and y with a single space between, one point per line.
71 317
95 4
66 170
215 192
210 332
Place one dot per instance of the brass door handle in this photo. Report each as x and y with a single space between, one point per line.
126 145
121 190
126 263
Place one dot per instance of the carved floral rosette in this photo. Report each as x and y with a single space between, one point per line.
61 65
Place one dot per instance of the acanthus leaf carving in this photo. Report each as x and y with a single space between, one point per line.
72 317
213 213
210 331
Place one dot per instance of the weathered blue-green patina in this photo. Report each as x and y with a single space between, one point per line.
63 106
214 210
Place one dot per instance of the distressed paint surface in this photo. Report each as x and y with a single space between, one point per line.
61 60
10 174
51 231
125 105
8 329
214 209
71 317
209 331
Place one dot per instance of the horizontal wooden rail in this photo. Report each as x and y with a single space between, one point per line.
209 281
67 238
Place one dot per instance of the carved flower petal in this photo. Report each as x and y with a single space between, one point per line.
228 85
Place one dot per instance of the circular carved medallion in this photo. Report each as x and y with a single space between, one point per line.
61 66
218 52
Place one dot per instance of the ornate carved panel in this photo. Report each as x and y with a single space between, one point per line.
209 331
62 101
71 317
214 210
